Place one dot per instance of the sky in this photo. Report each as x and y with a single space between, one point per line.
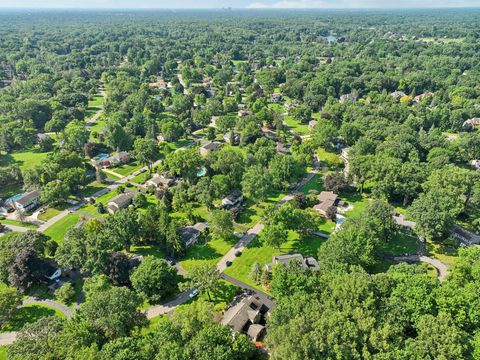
272 4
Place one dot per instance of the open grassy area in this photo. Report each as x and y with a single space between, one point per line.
29 314
141 178
316 183
96 101
297 126
402 244
57 231
53 211
242 265
147 250
91 209
127 169
358 201
3 352
209 253
446 251
24 159
253 212
18 223
92 188
330 159
178 144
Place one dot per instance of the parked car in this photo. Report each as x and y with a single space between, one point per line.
238 253
193 293
228 263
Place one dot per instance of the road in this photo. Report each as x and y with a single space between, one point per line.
442 269
168 307
68 312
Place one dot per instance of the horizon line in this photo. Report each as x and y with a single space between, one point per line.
240 8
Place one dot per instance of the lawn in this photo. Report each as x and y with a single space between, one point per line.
316 183
242 265
57 231
29 314
18 223
330 159
147 250
24 159
92 188
141 178
297 126
402 244
359 203
253 212
3 352
209 253
446 252
96 101
178 144
127 169
53 211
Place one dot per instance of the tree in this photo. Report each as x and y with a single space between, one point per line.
145 150
114 312
26 270
204 278
221 224
256 272
285 171
256 183
10 299
183 163
336 182
154 279
65 293
118 269
274 235
54 192
122 227
75 136
116 137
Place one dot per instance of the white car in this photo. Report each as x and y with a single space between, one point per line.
193 293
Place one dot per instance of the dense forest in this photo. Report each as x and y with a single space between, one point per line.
379 107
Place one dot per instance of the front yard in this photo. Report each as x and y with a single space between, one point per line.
57 231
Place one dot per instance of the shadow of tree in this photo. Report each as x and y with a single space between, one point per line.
27 315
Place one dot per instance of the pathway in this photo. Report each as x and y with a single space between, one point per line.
8 338
168 307
68 312
442 269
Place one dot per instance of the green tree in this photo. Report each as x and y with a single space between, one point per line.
204 278
145 151
10 299
274 235
221 224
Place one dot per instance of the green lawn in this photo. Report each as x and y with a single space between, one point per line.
141 178
402 244
209 253
53 211
253 212
24 159
18 223
92 188
3 352
242 265
359 203
91 209
147 250
96 101
330 159
315 184
297 126
178 144
127 169
57 231
29 314
446 251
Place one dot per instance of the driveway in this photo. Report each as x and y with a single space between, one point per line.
168 307
442 269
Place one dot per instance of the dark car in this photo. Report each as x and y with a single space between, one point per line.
238 253
228 263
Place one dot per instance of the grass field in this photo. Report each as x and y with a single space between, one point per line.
3 352
253 212
209 253
402 244
24 159
315 184
91 209
242 265
297 126
53 211
445 252
127 169
29 314
358 202
92 188
330 159
57 231
96 101
18 223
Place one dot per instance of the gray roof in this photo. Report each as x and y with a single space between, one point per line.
29 197
211 146
242 313
122 199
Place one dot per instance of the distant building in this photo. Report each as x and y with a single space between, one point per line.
276 98
304 262
210 147
326 200
190 234
243 113
289 105
120 202
471 124
232 200
160 84
425 95
246 315
160 138
104 160
397 95
349 97
312 123
268 133
475 164
160 181
27 201
232 139
283 149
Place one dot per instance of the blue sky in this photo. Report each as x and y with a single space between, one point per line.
300 4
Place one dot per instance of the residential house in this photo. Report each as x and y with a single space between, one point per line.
268 133
160 84
276 98
471 124
160 138
232 138
213 121
27 201
160 181
312 123
289 105
190 234
397 95
232 200
304 262
103 160
120 201
425 95
243 113
283 149
475 164
209 147
349 97
326 200
246 315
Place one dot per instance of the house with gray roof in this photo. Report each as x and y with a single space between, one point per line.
120 201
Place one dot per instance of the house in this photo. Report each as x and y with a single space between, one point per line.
312 123
160 84
471 124
103 160
268 133
246 315
190 234
326 200
420 97
232 200
120 202
122 157
289 105
283 149
160 138
397 95
213 121
304 262
276 98
160 181
27 201
243 113
210 147
349 97
475 164
52 272
232 138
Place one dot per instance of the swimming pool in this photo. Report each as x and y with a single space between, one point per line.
13 198
102 156
201 172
